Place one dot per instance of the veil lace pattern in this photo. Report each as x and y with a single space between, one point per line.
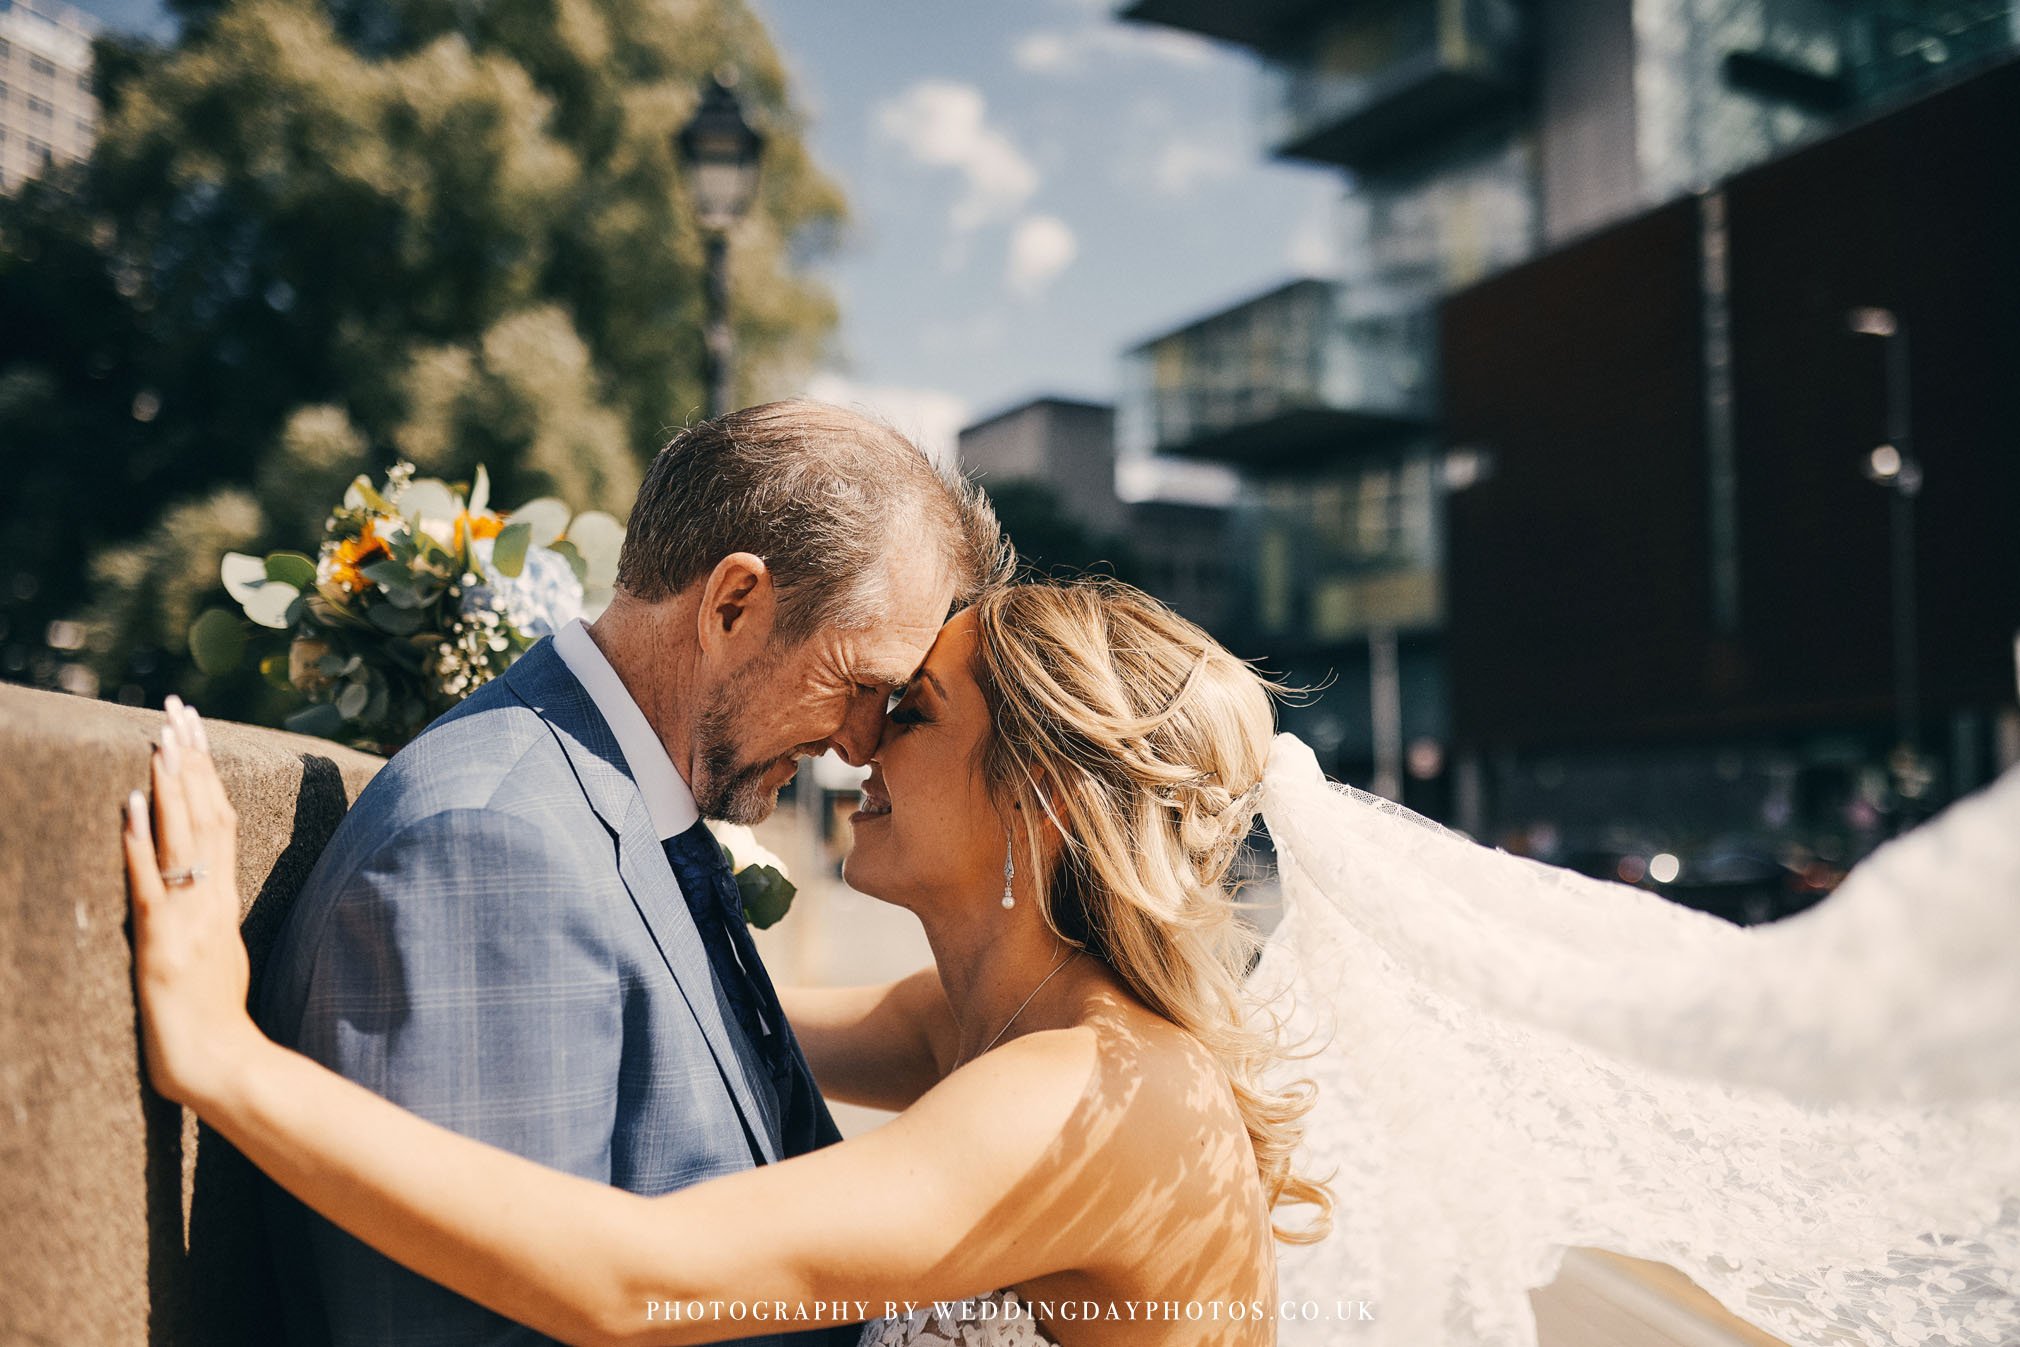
1817 1120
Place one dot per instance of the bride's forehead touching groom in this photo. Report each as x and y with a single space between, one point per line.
785 570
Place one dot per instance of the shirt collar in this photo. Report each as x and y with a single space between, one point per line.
667 797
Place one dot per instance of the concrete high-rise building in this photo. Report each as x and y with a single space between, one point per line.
1066 444
48 113
1512 171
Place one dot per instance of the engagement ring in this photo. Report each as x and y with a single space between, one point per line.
177 879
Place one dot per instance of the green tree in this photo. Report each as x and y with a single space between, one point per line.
317 236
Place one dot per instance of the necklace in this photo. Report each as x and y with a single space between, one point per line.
1027 1001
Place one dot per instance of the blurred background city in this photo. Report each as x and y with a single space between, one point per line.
1609 409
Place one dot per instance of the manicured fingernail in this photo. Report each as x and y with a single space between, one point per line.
197 731
135 808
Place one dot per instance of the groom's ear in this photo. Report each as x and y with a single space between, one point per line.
738 603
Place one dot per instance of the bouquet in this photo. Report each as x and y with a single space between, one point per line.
419 595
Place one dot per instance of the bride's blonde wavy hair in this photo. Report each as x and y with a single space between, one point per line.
1150 739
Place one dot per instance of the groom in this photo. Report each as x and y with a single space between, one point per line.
522 930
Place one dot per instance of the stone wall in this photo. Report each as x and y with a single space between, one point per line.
121 1222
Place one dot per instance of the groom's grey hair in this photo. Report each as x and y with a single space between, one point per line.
825 495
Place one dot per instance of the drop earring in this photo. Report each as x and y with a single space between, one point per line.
1009 873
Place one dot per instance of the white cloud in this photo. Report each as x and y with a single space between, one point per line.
1068 51
945 124
1040 248
1186 163
932 418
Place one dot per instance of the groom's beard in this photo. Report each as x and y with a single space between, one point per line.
730 788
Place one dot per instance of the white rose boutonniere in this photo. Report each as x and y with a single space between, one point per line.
760 875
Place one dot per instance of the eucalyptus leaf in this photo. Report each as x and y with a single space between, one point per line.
291 568
242 575
217 641
547 517
321 720
566 551
395 621
599 537
389 575
352 700
271 603
407 597
508 553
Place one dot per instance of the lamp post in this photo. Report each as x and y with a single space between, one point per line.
1894 466
720 151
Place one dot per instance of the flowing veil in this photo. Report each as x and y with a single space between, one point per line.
1817 1120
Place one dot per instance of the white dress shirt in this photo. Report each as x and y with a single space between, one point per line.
667 797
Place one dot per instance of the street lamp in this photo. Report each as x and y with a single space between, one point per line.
1894 466
720 151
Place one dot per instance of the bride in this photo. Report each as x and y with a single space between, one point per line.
1086 1121
1105 1114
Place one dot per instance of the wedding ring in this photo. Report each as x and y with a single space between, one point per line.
180 878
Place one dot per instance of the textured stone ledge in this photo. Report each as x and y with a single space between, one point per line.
119 1223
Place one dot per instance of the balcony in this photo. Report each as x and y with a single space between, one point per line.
1261 25
1284 380
1908 45
1390 76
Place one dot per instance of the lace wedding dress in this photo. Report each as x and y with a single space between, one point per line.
999 1320
1817 1120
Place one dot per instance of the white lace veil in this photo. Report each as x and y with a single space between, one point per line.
1817 1120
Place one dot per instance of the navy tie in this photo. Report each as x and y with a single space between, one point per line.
717 907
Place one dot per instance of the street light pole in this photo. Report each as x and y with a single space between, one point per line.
718 341
720 150
1894 466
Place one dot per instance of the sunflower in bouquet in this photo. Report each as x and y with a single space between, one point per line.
419 595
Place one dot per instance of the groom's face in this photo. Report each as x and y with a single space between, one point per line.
773 706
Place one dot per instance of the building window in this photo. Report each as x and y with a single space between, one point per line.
42 66
3 93
6 49
41 107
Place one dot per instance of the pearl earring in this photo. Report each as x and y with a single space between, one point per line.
1009 873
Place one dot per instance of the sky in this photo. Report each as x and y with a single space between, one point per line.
1033 186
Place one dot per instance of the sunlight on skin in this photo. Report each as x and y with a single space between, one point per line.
1096 1155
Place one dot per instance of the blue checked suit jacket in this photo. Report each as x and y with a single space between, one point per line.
494 940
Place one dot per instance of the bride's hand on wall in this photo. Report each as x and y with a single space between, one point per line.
190 966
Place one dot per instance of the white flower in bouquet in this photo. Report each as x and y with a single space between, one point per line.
542 599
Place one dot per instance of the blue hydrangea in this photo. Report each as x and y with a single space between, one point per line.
542 599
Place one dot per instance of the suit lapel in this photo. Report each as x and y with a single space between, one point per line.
541 680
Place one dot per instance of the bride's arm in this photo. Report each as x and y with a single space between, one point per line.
959 1195
882 1046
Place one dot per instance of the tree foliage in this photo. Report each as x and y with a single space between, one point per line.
316 236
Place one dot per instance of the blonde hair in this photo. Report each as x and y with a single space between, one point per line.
1149 740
